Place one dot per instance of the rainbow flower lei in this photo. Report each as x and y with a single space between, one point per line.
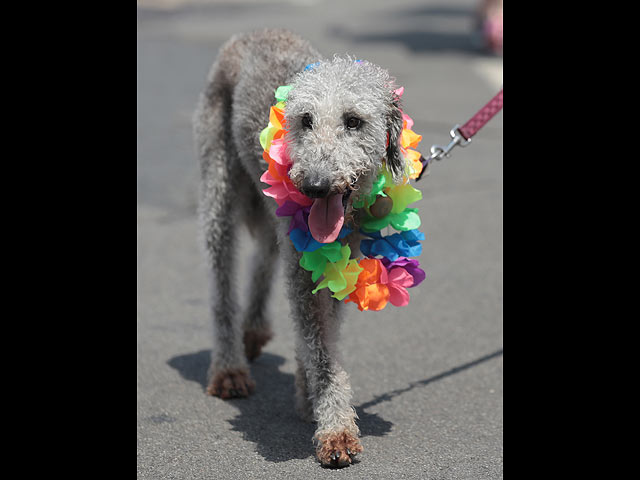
386 272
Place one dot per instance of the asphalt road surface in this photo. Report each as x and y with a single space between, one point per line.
427 379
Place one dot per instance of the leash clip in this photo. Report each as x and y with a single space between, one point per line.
438 152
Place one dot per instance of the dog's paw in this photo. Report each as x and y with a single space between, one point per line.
338 449
254 340
231 383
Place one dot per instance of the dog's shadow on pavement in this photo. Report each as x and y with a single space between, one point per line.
268 418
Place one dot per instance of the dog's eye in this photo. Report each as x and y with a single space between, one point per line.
306 121
353 123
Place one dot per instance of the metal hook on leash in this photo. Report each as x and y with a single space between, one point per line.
438 152
470 128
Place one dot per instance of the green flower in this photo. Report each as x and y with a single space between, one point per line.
316 261
282 93
383 181
406 220
402 196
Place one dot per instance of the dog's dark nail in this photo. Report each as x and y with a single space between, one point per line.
349 452
337 455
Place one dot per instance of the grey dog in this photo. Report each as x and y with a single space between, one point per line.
343 120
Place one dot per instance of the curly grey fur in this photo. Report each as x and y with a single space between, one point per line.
231 113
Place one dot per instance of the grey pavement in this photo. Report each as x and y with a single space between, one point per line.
427 379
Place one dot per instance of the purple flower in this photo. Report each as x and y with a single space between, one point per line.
410 265
299 215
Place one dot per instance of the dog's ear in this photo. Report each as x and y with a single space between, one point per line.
395 159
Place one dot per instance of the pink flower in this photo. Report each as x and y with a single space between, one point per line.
277 176
280 157
398 280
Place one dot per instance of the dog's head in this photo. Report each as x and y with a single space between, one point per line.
343 119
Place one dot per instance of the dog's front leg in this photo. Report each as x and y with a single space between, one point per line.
328 392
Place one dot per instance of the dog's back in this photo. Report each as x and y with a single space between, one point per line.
240 88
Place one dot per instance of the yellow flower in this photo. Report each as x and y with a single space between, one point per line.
350 273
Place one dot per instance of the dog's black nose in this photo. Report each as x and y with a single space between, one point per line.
315 187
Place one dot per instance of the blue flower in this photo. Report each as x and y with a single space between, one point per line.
304 242
403 244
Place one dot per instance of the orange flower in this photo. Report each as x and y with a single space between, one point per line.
409 138
413 159
276 117
371 291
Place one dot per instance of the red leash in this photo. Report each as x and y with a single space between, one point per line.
462 135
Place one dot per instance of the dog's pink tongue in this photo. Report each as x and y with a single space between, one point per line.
326 218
